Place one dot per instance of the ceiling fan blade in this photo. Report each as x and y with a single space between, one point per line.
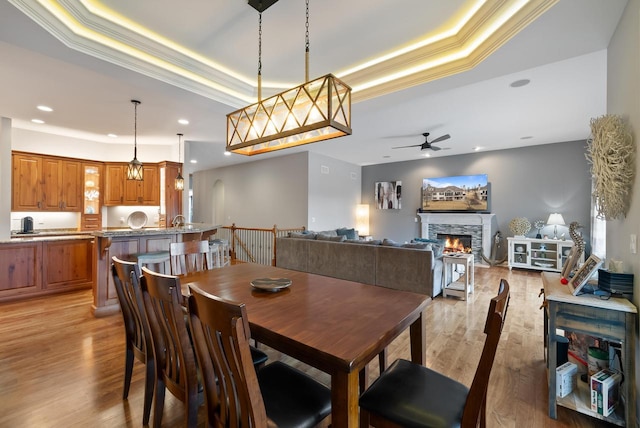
444 137
404 147
435 148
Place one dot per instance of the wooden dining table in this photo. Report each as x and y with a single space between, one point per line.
334 325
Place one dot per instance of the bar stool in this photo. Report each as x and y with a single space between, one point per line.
222 255
155 258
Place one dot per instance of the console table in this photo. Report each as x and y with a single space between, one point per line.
612 320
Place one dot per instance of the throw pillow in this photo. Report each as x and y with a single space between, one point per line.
321 237
437 245
331 232
349 233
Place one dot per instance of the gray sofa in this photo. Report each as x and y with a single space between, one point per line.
400 268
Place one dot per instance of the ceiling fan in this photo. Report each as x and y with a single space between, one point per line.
428 144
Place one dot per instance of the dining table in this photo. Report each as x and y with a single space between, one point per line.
334 325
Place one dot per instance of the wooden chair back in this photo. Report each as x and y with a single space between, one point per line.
221 336
475 407
190 256
137 333
174 355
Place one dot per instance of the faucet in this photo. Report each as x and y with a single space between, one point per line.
178 220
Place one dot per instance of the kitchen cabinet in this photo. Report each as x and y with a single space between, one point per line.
26 188
45 183
37 266
539 254
91 218
120 191
170 198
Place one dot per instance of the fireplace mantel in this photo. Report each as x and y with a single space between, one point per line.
487 221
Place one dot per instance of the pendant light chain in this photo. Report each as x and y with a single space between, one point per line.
260 54
135 129
306 46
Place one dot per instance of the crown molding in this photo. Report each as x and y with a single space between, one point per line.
81 26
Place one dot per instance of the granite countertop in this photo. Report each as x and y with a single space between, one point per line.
41 237
189 228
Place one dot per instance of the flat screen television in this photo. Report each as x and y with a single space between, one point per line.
462 193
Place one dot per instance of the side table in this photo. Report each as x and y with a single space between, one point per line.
464 284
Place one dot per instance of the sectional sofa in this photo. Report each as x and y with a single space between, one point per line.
391 266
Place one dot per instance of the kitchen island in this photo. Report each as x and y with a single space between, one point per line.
37 264
122 243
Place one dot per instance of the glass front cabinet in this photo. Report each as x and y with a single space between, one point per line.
91 218
540 254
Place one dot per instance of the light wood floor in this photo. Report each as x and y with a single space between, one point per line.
61 367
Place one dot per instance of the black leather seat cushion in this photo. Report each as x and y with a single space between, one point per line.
291 398
412 395
258 356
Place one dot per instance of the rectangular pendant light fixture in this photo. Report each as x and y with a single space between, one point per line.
314 111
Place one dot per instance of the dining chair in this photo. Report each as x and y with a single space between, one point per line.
175 360
190 256
136 327
411 395
236 395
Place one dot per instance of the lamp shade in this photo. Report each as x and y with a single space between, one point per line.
362 219
555 219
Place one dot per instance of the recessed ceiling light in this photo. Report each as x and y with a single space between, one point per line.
528 137
477 148
227 153
193 161
427 155
45 108
183 121
520 83
112 135
38 121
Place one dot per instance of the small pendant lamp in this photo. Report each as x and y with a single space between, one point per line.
134 169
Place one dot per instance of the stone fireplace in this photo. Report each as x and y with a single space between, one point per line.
480 227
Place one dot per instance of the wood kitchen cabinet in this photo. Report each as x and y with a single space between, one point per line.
91 218
46 183
33 267
170 198
120 191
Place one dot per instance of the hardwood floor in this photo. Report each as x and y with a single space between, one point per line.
61 367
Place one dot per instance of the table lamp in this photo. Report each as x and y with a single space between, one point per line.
555 219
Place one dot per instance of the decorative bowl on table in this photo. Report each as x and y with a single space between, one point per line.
271 284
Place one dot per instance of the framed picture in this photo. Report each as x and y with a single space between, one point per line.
584 273
387 194
570 262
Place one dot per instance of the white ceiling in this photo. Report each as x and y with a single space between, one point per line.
562 52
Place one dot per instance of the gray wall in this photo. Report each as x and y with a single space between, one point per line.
288 191
334 192
256 194
528 182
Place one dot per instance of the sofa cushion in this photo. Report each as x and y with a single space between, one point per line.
321 237
347 233
389 243
331 232
362 242
417 245
302 235
437 245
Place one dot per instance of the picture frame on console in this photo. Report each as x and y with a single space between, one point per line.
388 195
584 273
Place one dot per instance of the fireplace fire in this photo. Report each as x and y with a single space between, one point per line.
456 243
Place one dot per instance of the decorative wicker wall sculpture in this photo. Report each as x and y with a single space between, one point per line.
611 152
